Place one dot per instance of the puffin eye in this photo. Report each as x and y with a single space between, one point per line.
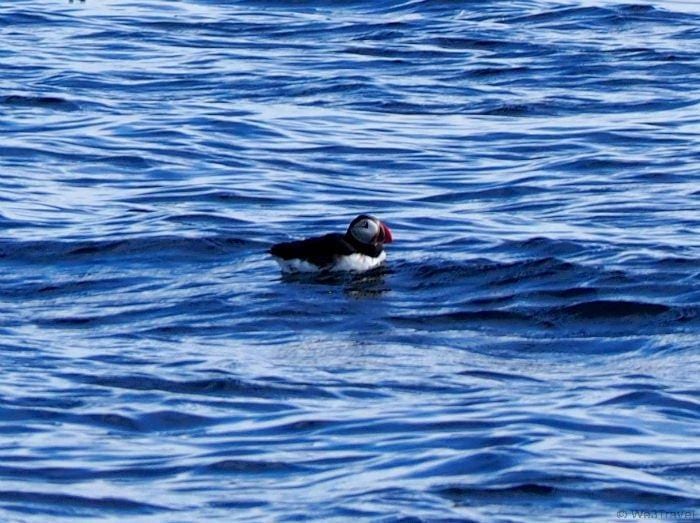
365 224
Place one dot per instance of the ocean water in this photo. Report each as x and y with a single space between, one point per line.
528 353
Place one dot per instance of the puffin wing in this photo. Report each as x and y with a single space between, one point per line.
321 251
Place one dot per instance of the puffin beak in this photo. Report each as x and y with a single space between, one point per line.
388 238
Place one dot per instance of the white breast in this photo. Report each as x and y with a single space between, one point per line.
358 262
353 262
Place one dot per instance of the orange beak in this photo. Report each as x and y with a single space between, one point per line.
386 232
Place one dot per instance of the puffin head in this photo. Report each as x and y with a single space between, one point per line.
368 230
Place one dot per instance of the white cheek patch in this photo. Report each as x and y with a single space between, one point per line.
365 231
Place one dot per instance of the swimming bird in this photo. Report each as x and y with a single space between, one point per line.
361 248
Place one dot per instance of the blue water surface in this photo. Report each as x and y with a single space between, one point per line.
528 353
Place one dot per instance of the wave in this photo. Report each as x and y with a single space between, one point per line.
45 102
170 246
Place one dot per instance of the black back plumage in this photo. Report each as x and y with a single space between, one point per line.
320 251
324 250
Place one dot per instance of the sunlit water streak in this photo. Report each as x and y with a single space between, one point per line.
528 353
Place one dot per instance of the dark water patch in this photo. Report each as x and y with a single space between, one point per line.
211 307
490 460
581 427
410 426
540 245
463 494
237 128
490 301
40 289
515 109
80 506
527 293
125 161
161 246
237 504
535 271
563 488
46 402
70 474
566 294
662 401
400 107
154 422
334 462
230 387
241 466
614 309
681 263
467 319
498 193
110 421
621 16
43 102
19 429
497 72
467 43
637 382
686 469
560 14
82 286
304 426
497 376
168 420
618 317
642 494
19 17
215 196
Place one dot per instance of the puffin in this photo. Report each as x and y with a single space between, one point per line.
360 249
